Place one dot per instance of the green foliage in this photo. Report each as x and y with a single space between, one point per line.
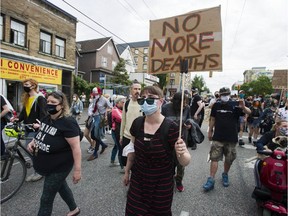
162 80
199 83
81 85
120 75
261 86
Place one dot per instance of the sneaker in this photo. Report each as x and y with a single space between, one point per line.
29 178
113 164
180 187
241 143
92 157
209 185
90 150
103 149
250 139
194 147
225 179
254 143
36 177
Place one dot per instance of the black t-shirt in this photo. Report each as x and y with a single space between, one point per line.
194 105
3 103
54 152
226 121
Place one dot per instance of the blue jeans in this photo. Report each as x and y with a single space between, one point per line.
53 183
116 148
98 132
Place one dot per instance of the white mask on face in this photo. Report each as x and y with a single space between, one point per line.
90 100
225 98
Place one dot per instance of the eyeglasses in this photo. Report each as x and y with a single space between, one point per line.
149 101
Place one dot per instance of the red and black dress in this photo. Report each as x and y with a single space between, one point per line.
151 182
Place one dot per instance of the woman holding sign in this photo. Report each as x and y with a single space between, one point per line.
152 163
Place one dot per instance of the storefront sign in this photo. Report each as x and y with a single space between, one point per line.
195 36
14 70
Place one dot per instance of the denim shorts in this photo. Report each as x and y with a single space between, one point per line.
218 149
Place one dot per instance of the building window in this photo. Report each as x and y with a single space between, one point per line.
136 59
145 50
60 47
1 27
109 49
145 58
45 42
172 75
104 62
17 33
144 67
113 65
136 51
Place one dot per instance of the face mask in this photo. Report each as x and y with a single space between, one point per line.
27 89
225 98
283 131
241 96
51 109
149 109
74 99
90 100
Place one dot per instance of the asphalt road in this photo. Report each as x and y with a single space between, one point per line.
101 192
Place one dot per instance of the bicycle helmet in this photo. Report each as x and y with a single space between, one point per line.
12 130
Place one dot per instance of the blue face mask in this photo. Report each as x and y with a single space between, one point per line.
283 131
149 109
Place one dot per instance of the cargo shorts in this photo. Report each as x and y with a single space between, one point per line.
218 149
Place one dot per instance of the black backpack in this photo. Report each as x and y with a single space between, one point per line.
109 118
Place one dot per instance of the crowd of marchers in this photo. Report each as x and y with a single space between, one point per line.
151 138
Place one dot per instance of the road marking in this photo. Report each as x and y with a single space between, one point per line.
184 213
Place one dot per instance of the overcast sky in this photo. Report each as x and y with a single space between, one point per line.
254 32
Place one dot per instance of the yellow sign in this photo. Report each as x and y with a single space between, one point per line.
195 36
14 70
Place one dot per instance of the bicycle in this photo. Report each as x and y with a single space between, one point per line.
14 166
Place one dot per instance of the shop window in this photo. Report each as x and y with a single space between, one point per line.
1 27
17 33
60 45
45 42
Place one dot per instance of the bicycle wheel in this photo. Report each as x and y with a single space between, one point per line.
13 174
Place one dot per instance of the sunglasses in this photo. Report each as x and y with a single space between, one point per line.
149 101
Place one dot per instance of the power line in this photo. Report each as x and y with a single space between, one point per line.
137 14
134 14
149 8
100 26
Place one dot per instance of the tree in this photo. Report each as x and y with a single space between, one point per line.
199 83
261 86
81 85
162 80
120 75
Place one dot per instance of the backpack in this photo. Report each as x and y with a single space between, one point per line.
109 118
126 105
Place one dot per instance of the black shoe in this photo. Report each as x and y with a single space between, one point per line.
103 149
241 143
250 139
254 143
194 147
92 157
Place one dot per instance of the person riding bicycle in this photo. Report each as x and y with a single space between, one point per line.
34 109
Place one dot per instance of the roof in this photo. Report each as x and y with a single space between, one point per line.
139 44
93 45
59 9
121 47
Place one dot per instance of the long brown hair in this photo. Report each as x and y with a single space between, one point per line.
59 95
25 95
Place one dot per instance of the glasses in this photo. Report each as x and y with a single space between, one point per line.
149 101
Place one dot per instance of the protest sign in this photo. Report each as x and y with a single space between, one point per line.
280 79
195 36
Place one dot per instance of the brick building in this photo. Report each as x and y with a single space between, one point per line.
37 41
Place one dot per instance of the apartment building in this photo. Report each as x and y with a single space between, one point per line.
37 41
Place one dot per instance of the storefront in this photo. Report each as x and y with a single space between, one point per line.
50 77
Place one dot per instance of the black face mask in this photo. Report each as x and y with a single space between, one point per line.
51 109
27 89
